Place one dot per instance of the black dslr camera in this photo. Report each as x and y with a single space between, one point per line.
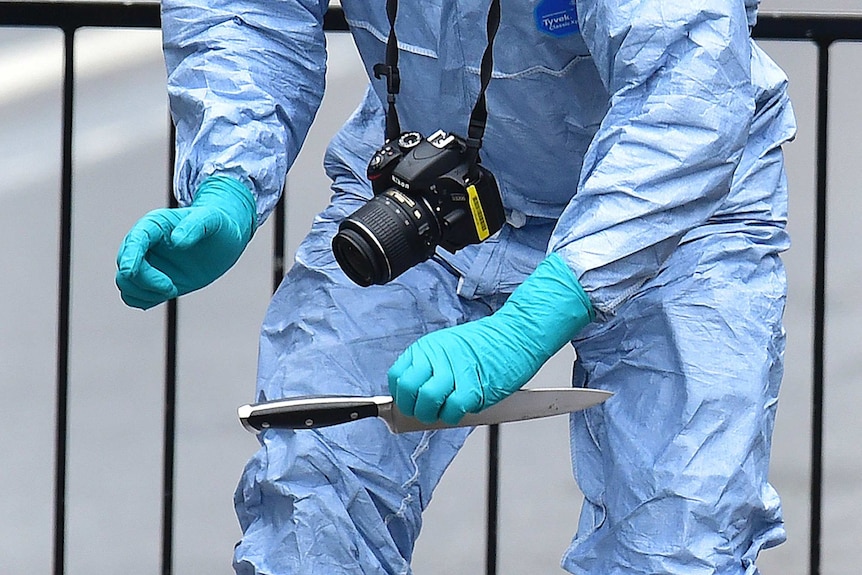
427 192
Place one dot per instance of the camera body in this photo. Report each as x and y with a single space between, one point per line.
427 192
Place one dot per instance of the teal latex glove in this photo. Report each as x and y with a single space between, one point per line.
173 251
466 368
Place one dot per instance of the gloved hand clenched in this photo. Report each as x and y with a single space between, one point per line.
171 252
466 368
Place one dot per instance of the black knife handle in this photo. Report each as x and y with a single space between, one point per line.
304 417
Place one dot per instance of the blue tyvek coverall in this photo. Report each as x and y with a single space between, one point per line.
639 140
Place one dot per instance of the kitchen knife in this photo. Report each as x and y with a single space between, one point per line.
310 412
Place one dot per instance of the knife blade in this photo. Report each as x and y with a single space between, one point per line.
311 412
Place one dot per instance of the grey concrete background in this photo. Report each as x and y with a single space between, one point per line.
116 407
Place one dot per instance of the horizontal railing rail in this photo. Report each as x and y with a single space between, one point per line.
821 29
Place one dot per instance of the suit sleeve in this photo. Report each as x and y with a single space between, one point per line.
245 80
661 164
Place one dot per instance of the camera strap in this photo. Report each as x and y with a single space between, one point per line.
479 115
390 70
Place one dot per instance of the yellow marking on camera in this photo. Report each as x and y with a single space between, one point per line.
478 213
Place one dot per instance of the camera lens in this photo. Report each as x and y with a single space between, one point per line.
358 257
384 238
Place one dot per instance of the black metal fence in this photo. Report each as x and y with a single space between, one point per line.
823 30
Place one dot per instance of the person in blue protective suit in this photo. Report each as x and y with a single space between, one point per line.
637 148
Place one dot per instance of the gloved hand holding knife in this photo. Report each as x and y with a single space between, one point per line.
466 368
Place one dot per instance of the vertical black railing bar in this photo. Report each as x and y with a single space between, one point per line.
819 343
169 437
170 415
64 307
279 242
493 511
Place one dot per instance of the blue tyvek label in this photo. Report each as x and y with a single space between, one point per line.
557 17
